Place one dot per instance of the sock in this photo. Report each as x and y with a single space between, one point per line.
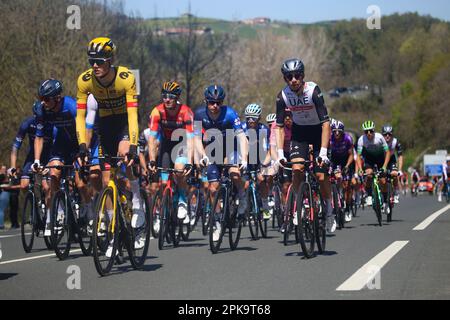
48 216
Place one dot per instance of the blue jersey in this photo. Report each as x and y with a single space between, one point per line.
29 127
227 120
63 121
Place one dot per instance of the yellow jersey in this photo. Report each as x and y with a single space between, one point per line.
118 98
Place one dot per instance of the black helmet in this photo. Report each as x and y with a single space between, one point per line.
50 88
171 87
214 93
387 129
292 65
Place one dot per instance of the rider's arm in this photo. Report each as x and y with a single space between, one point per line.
279 131
359 152
92 107
322 112
350 158
387 155
18 143
132 109
82 97
189 121
400 156
154 128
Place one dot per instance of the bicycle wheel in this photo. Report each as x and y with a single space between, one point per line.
140 236
320 223
217 225
194 207
155 214
206 210
278 208
377 203
234 225
337 201
28 223
61 225
105 233
389 202
288 225
252 217
306 217
354 206
165 232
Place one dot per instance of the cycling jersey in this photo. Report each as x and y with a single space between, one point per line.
340 148
373 150
287 137
308 114
395 146
65 145
445 171
117 105
28 127
144 139
227 120
168 122
258 145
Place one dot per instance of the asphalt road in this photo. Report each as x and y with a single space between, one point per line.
364 261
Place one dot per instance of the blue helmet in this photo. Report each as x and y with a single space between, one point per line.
214 93
50 88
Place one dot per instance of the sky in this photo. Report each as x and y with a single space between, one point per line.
297 11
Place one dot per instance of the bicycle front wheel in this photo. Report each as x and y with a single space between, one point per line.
140 236
377 203
105 235
306 217
234 225
253 220
61 225
217 225
28 224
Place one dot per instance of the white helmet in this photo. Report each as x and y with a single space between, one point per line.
253 110
272 117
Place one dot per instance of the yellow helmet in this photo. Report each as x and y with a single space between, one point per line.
101 48
171 87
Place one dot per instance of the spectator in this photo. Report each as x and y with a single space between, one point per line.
4 195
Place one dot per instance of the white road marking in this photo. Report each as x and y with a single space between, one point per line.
13 235
430 219
36 257
366 274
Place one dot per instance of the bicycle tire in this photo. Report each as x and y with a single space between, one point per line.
234 225
377 203
252 216
138 256
61 247
287 218
194 208
390 205
156 219
29 211
165 227
320 223
306 217
101 239
220 196
278 208
337 207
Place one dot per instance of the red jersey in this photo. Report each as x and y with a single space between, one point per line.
161 120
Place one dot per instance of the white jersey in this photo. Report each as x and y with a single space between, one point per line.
304 112
375 148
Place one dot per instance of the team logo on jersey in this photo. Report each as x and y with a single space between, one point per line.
40 127
124 75
87 77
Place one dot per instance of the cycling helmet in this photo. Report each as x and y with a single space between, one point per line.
333 123
368 125
171 87
50 88
214 93
340 126
101 48
387 128
292 65
253 110
272 117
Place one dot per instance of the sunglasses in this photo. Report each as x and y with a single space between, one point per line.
337 131
214 102
47 99
369 131
387 135
252 119
97 61
296 75
169 96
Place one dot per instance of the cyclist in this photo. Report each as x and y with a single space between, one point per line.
415 177
218 125
28 127
56 111
310 126
396 163
375 151
445 179
169 116
114 89
342 160
270 119
258 136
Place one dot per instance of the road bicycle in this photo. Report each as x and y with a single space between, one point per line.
112 229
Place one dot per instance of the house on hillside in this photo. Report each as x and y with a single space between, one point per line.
181 31
257 21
